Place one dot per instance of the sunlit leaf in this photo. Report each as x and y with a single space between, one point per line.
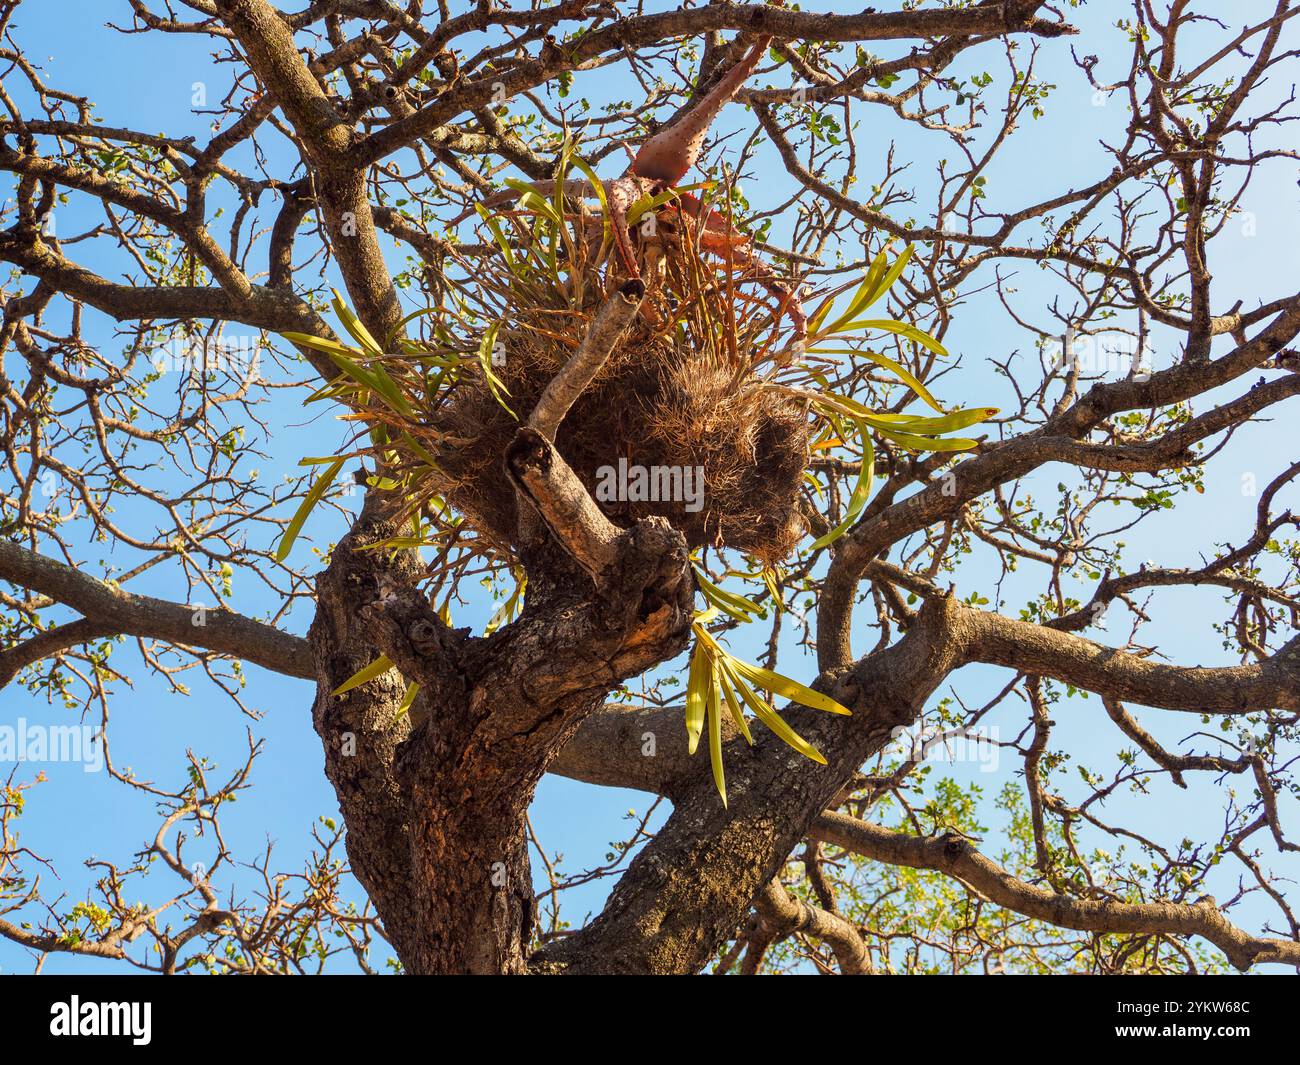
313 496
377 668
861 490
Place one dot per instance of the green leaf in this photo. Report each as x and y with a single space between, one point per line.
532 199
823 308
354 325
861 490
925 426
330 347
791 689
696 696
486 346
510 608
412 690
928 443
377 668
770 717
375 379
737 715
500 238
599 187
648 203
737 606
878 281
313 496
896 368
715 733
908 332
419 449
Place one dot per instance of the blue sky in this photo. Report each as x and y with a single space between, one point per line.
147 82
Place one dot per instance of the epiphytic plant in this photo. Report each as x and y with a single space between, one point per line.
651 330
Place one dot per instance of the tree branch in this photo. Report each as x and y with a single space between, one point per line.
1038 650
109 609
632 33
954 856
604 332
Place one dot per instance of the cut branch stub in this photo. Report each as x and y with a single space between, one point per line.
541 476
606 329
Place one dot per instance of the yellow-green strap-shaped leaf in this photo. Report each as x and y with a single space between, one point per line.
861 490
737 715
870 280
313 496
375 378
887 282
498 389
782 685
770 579
908 332
926 426
330 347
396 338
878 281
377 668
354 325
696 696
715 733
736 605
532 199
325 460
771 718
598 187
928 443
412 690
501 241
419 449
833 404
649 203
823 308
511 606
896 368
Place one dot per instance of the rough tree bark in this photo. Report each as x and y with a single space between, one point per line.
436 800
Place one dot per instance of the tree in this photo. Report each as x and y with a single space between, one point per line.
351 126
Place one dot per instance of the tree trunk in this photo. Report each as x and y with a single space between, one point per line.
436 801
